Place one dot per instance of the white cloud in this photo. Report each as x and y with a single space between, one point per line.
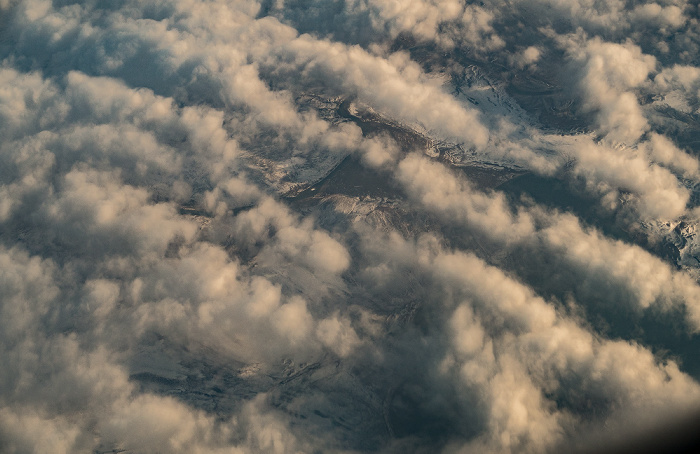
513 350
608 72
586 253
395 86
527 56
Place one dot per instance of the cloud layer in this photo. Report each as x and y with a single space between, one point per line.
359 226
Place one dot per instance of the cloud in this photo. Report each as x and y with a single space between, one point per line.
605 169
448 24
679 86
670 16
596 260
503 341
665 152
394 86
457 199
608 71
528 56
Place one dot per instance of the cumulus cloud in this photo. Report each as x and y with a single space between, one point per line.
527 56
679 86
609 71
505 342
395 86
595 260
